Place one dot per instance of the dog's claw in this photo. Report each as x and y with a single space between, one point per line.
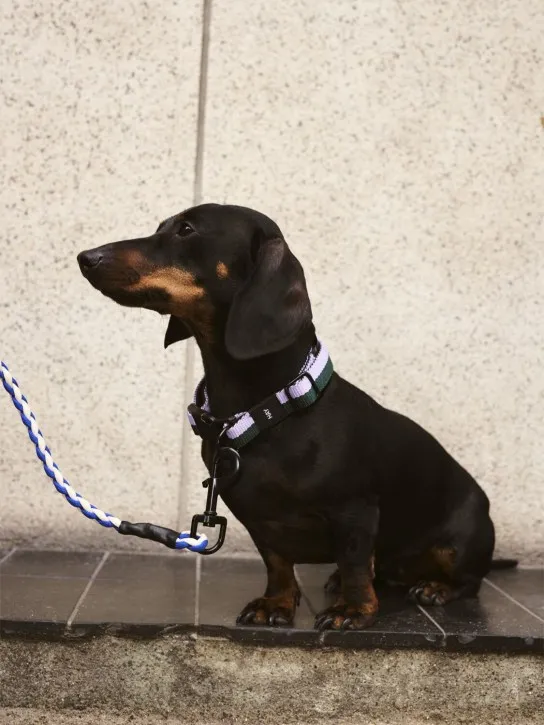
323 622
427 594
343 618
277 620
413 594
246 618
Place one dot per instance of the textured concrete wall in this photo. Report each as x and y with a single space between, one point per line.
399 147
99 109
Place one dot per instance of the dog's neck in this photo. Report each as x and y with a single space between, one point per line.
234 386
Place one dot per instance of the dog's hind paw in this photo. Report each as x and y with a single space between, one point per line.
430 594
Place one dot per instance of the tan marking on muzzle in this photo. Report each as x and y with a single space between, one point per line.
187 300
222 270
179 284
136 260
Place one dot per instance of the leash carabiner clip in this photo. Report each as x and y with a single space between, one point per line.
210 517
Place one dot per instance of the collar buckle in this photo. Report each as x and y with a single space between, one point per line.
208 427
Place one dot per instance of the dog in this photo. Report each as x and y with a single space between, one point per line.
343 480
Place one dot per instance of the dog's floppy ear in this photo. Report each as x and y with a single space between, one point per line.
272 307
177 330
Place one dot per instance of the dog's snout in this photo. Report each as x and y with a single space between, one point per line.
88 260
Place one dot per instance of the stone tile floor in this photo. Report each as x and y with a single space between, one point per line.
57 595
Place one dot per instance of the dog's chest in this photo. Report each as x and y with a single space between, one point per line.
281 519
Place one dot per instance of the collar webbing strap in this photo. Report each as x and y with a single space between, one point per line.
243 427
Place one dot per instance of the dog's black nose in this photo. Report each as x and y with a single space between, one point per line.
88 260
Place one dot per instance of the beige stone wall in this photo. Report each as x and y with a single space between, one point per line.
99 108
399 146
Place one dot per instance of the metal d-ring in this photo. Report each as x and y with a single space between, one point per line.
287 389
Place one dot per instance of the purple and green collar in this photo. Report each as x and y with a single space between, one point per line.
241 428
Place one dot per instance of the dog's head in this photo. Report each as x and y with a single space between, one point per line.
223 273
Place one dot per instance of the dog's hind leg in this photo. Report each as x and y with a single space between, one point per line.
454 564
445 573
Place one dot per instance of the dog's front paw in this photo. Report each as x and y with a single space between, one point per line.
271 611
343 617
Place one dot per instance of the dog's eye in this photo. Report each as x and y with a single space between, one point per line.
184 229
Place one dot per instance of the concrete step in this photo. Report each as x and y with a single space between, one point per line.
198 679
116 638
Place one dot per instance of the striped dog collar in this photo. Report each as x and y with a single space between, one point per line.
241 428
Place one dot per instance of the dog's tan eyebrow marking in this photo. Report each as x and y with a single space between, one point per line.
222 270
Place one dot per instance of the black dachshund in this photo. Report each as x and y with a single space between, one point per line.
341 480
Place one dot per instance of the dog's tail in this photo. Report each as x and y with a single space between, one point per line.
504 564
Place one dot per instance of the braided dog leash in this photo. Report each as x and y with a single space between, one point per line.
170 538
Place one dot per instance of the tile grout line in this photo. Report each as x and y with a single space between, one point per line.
202 99
197 199
433 620
7 556
303 595
91 581
515 601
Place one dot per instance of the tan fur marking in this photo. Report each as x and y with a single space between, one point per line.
222 270
435 563
370 605
187 300
134 259
179 284
261 617
445 558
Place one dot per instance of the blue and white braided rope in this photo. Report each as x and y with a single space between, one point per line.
184 540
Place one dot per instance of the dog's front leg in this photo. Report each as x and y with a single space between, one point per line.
354 530
278 604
